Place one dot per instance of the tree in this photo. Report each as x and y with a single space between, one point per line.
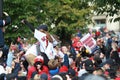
65 15
109 7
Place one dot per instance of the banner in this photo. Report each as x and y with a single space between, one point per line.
89 42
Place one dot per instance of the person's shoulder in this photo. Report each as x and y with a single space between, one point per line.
45 67
32 68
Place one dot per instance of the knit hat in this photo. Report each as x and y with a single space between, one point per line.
43 76
57 77
39 59
109 61
89 65
71 72
44 27
94 77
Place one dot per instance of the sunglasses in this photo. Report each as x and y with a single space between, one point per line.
38 63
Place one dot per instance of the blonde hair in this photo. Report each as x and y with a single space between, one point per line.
52 64
114 46
37 77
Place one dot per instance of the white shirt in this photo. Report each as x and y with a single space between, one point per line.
81 72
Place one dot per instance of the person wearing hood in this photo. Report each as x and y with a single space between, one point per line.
38 68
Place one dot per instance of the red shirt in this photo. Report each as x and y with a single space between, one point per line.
97 33
44 70
63 69
118 78
32 69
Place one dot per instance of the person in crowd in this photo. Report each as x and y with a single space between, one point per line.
75 45
60 76
15 68
41 48
65 61
3 23
98 71
72 64
97 33
59 54
79 34
87 66
107 68
114 53
98 58
43 28
2 72
71 74
108 41
94 77
38 68
23 71
53 65
117 75
101 46
4 48
13 50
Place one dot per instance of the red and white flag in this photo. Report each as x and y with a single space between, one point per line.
89 42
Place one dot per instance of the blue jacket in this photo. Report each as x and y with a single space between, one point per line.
54 72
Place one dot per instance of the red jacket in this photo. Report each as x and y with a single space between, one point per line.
44 70
97 33
63 68
32 69
118 78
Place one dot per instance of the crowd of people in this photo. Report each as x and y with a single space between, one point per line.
70 61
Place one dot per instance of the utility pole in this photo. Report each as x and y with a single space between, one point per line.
1 8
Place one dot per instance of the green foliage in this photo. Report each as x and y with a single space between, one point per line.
67 15
110 7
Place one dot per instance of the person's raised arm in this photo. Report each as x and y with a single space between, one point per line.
28 24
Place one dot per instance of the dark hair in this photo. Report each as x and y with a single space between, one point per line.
112 73
75 78
35 64
2 76
55 78
115 56
11 76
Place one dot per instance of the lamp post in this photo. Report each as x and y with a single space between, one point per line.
1 8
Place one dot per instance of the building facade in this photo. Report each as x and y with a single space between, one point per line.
105 21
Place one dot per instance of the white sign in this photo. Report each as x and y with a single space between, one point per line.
89 42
